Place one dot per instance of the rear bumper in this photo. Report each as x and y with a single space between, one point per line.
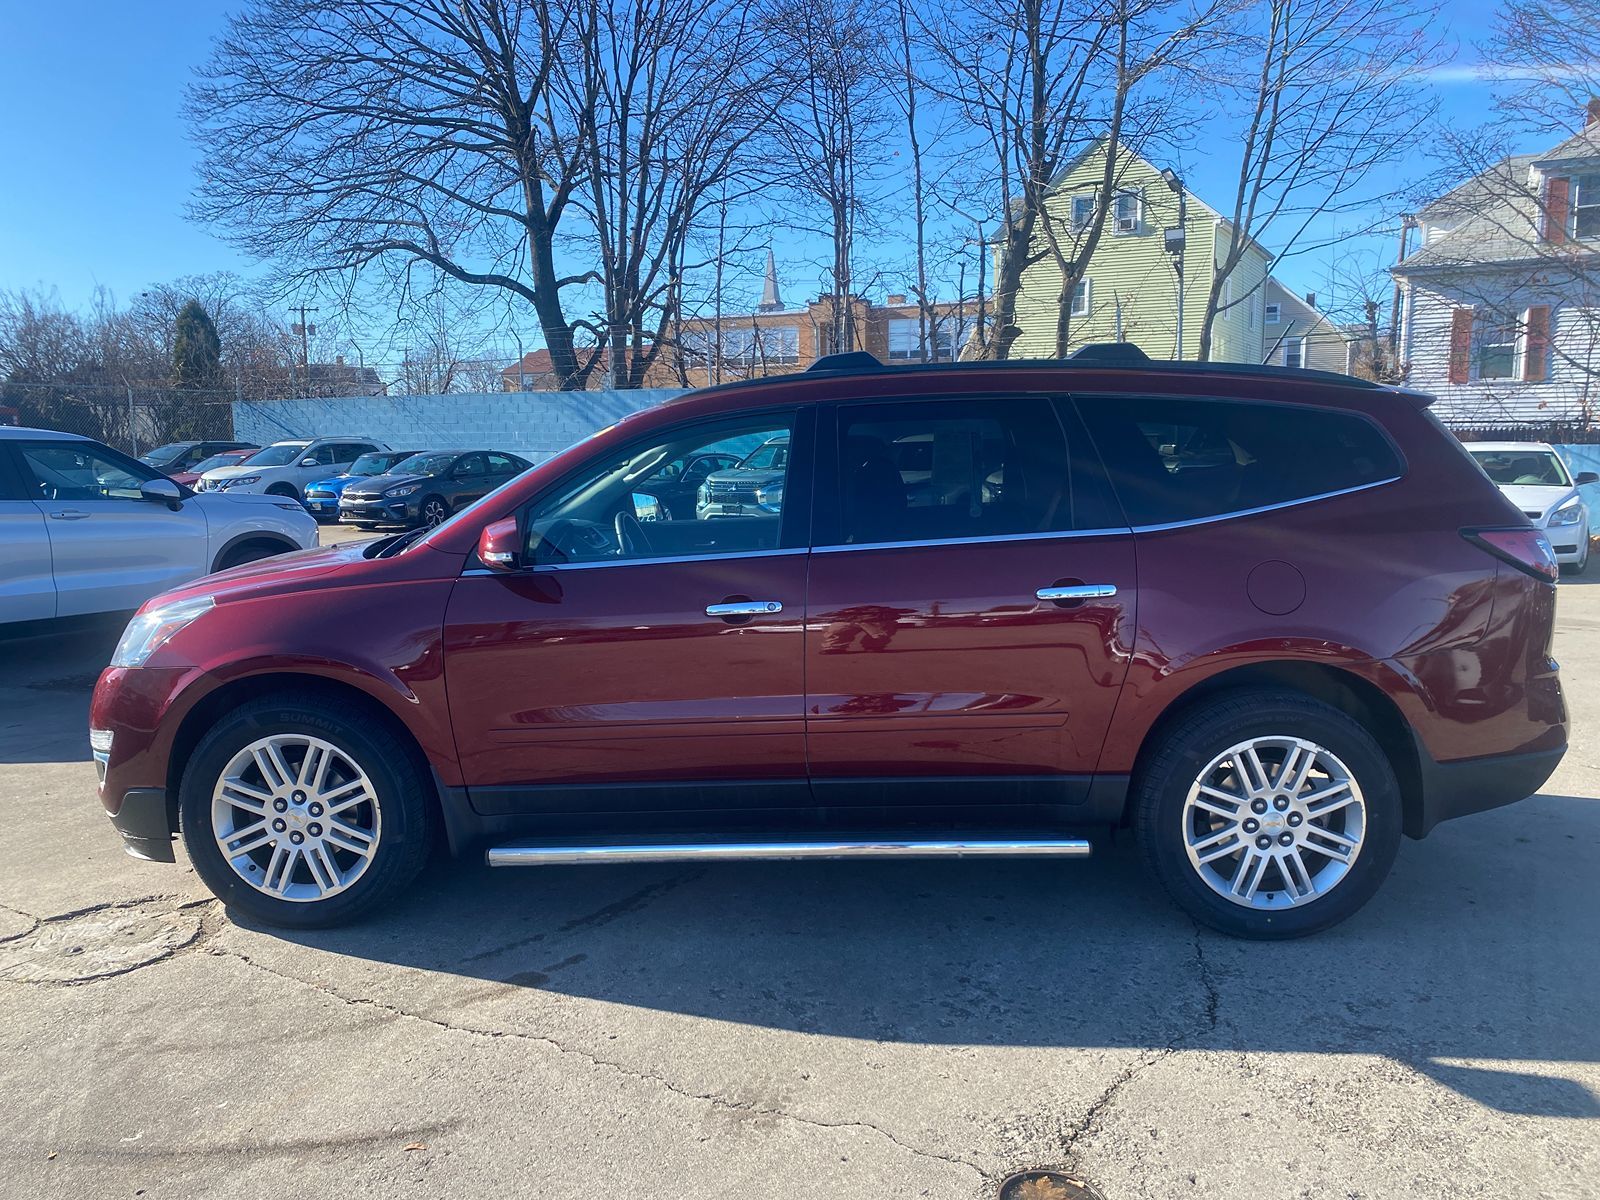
1458 789
144 820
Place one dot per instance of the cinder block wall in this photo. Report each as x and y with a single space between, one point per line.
537 425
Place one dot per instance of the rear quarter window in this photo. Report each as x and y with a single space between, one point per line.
1180 459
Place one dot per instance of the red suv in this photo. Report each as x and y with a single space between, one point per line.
1269 619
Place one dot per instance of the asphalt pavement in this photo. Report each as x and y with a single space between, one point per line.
794 1031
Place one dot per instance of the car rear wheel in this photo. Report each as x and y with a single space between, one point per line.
433 511
1268 814
296 815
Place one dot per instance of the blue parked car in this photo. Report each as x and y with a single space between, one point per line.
322 497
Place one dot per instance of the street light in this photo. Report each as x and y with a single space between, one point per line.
1175 242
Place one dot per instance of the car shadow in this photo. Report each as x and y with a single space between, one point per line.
1473 961
47 675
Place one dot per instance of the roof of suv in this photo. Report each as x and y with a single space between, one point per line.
1097 357
18 432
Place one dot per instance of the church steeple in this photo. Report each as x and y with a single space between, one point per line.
770 300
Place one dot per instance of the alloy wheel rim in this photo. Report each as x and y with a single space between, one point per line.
433 513
1274 823
296 817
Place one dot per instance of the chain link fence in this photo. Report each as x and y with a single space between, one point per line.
133 418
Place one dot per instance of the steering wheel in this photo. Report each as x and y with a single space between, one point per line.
631 537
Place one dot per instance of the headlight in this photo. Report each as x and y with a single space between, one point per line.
1569 513
149 631
238 481
405 489
770 498
703 496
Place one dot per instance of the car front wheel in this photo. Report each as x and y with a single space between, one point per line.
1268 814
295 815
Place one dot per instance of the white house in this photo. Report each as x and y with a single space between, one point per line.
1501 297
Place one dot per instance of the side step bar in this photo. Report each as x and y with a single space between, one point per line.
550 853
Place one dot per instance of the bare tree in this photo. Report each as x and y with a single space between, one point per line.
676 96
1545 56
1043 82
832 129
1333 95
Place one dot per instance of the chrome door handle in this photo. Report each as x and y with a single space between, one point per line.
69 514
1078 591
744 608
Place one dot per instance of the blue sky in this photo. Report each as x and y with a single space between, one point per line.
98 167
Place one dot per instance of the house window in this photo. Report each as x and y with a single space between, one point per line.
1586 206
1294 352
904 338
1080 298
1127 212
1274 314
1254 314
1082 211
1497 350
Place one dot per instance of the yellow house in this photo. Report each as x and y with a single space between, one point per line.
1130 291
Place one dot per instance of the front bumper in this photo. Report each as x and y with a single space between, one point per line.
379 511
145 821
322 505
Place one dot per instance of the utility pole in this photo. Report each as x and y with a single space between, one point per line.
305 331
1175 239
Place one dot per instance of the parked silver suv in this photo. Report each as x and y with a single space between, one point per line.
85 529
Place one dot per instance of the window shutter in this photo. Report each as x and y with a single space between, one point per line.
1557 204
1460 345
1536 345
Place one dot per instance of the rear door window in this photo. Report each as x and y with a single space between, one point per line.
943 470
1180 459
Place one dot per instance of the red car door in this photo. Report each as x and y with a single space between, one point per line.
639 663
971 604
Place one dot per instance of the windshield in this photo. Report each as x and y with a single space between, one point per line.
423 464
165 453
374 464
227 459
1523 468
277 456
767 458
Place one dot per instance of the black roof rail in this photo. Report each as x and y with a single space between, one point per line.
854 361
1096 356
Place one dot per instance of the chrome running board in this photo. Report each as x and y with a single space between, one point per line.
540 854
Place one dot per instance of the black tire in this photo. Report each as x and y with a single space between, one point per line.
1579 567
1161 789
399 782
249 553
287 490
433 502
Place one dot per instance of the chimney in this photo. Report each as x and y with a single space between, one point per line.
1591 115
1311 299
897 299
338 360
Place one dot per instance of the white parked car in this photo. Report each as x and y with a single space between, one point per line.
84 529
284 468
1536 479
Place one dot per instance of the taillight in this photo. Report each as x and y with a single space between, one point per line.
1526 549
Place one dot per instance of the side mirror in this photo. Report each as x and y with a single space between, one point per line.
161 491
1587 477
646 507
500 545
308 462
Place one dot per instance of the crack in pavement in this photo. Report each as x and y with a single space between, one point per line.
1086 1124
205 927
719 1102
604 915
